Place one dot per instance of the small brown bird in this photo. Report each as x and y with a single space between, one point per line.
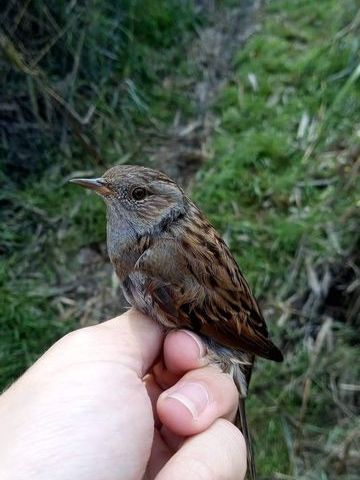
175 267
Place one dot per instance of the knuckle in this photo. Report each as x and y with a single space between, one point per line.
79 339
200 469
223 385
203 471
230 434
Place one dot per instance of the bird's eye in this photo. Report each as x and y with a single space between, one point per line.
139 193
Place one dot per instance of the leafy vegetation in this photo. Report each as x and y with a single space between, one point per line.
280 184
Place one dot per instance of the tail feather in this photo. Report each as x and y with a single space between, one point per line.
241 423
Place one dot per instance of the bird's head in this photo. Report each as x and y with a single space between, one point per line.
137 198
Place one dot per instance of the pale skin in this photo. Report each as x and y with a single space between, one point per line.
117 401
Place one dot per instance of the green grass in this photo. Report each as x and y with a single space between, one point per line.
272 190
259 163
282 200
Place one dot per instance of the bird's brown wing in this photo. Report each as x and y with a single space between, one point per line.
229 313
204 285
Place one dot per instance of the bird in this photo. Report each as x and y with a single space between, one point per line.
175 267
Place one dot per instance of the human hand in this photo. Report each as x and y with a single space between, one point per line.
100 405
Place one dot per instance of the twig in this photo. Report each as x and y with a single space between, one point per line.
290 445
15 58
319 342
317 182
52 42
20 15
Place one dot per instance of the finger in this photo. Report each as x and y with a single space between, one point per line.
184 351
160 455
173 441
163 376
165 444
217 453
197 400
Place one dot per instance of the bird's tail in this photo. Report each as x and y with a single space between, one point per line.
241 423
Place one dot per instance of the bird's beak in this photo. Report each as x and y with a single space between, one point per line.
98 184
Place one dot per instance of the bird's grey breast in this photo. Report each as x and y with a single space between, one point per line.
137 289
123 248
134 288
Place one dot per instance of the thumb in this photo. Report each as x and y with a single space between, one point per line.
136 337
132 339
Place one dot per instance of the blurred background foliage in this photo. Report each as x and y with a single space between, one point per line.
255 108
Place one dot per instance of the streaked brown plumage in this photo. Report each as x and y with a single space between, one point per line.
175 267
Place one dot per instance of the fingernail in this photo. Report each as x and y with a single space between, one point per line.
199 343
193 396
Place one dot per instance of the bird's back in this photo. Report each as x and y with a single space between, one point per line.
187 278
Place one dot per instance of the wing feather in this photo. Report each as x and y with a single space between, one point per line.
202 287
230 313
